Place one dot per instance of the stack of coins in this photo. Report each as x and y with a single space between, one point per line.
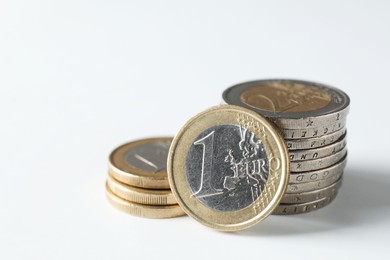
137 179
311 117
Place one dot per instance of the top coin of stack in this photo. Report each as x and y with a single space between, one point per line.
311 117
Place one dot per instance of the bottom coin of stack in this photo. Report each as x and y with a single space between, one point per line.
137 181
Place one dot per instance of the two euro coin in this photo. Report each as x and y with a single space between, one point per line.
312 119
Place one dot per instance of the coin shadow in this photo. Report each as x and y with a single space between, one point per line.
362 201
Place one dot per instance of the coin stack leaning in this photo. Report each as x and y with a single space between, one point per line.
137 179
312 119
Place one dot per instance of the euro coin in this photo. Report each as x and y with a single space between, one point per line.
290 209
321 152
228 168
316 164
291 104
304 197
141 163
323 174
140 195
314 185
141 210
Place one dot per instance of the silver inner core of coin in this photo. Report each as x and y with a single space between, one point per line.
227 167
150 157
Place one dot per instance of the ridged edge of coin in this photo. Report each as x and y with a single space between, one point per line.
317 164
312 176
311 186
320 152
304 197
140 210
140 195
305 133
311 143
292 209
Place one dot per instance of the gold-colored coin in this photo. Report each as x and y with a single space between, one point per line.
141 163
140 195
140 210
280 97
228 168
293 104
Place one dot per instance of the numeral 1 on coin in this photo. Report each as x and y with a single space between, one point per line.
205 188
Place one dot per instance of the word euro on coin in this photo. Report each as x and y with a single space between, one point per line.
228 168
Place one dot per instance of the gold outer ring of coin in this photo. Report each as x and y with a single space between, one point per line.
276 184
121 171
139 195
140 210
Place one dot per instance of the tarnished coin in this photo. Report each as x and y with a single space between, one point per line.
321 152
313 176
304 197
228 168
291 104
142 163
312 132
311 143
141 210
290 209
315 185
316 164
140 195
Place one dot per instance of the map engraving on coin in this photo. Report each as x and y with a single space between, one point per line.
150 157
231 167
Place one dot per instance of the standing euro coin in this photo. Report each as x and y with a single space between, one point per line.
228 168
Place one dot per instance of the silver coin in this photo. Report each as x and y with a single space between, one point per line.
311 186
313 176
290 209
312 132
312 143
291 104
304 197
316 164
240 167
151 157
321 152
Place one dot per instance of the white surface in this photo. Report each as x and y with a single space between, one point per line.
78 78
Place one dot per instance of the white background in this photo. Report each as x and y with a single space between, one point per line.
78 78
